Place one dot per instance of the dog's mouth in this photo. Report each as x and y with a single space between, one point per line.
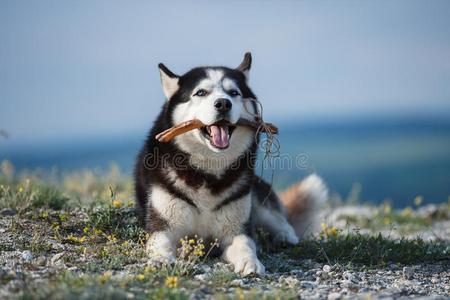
218 134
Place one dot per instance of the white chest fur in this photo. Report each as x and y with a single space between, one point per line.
203 220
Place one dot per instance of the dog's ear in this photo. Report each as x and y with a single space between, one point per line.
246 64
169 81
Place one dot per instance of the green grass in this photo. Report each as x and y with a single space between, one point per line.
122 222
92 218
25 196
74 286
370 250
405 221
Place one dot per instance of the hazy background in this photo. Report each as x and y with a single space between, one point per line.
361 87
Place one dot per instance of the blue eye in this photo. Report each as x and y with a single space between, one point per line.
201 93
233 93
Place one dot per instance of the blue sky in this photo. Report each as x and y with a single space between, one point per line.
86 68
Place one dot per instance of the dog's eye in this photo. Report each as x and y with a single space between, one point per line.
201 93
233 93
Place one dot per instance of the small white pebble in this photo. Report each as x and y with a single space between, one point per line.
334 296
350 277
27 256
291 281
41 261
350 285
238 282
201 277
326 268
205 268
57 257
408 272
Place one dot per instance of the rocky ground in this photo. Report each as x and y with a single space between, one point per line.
80 239
60 255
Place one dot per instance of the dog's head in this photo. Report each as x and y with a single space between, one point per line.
217 96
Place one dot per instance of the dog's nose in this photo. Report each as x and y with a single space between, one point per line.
222 105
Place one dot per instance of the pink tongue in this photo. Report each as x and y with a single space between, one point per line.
219 136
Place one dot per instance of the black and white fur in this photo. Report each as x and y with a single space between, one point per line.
191 186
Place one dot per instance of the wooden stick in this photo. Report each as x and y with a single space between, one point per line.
168 134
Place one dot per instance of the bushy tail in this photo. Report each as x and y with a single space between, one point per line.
302 202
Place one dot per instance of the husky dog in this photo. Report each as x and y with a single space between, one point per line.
203 181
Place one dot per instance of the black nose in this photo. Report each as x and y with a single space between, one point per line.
222 105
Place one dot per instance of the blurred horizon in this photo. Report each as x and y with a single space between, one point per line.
436 121
372 161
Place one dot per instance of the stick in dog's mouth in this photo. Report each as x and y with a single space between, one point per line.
218 133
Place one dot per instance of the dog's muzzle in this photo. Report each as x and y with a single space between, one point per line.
223 105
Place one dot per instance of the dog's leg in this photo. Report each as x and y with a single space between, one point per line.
275 223
168 219
161 247
240 251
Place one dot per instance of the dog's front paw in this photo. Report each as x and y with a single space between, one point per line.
249 265
286 237
159 254
159 260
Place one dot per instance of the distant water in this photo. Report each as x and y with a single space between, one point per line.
394 160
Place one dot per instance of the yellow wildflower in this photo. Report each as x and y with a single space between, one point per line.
86 230
171 282
75 239
143 239
329 231
104 252
198 252
418 200
20 190
55 225
97 231
150 269
140 277
407 212
117 203
105 276
332 232
240 294
112 238
63 217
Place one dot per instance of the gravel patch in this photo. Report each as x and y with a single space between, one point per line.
32 257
